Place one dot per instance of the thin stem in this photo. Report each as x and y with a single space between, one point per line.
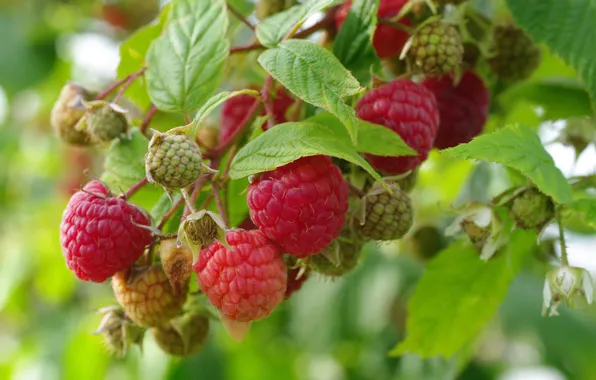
324 23
206 202
245 48
147 120
168 215
356 190
129 82
195 193
396 25
118 83
134 188
233 152
239 16
186 198
564 258
220 205
268 101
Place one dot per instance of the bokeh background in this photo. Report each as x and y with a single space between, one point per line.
331 330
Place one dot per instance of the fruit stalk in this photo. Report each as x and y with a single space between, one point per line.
564 258
147 120
134 188
119 83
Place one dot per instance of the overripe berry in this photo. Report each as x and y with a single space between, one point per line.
173 161
532 209
388 41
246 281
338 259
436 48
408 109
387 216
99 233
266 8
300 206
463 108
147 297
182 336
67 112
515 55
119 332
235 109
176 261
106 122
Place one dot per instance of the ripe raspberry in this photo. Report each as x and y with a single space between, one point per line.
106 121
64 117
245 282
516 56
183 335
97 233
234 110
294 282
436 48
387 216
408 109
266 8
173 161
348 253
463 109
149 300
301 206
532 209
387 40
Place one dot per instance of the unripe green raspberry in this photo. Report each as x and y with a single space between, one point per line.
67 112
436 48
516 56
387 216
532 209
106 121
173 161
119 332
266 8
340 257
182 336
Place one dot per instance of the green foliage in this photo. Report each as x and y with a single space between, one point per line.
125 162
458 294
314 75
518 147
585 209
187 61
215 101
566 28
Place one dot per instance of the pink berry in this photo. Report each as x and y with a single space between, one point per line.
300 206
246 281
408 109
98 235
463 109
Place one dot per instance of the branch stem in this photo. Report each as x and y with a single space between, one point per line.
564 257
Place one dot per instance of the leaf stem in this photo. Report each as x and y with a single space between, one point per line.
119 83
147 120
239 16
564 258
134 188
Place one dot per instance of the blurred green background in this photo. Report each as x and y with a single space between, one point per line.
330 330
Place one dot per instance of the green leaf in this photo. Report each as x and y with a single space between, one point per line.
585 209
313 74
125 161
132 57
273 29
289 141
163 205
187 62
353 44
518 147
214 102
458 294
566 27
372 138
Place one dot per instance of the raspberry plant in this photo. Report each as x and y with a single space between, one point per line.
314 149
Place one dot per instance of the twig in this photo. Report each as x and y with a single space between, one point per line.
564 258
119 83
233 152
239 16
220 206
396 25
268 101
129 82
134 188
206 202
168 215
195 193
147 120
245 48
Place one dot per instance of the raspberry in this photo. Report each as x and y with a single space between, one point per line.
149 299
294 282
436 48
99 235
301 206
65 115
246 281
266 8
234 110
119 332
176 261
387 216
183 335
173 161
532 209
516 56
463 109
387 40
408 109
106 121
347 256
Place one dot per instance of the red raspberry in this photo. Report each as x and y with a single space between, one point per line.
463 108
408 109
245 282
295 283
387 40
98 236
301 206
234 110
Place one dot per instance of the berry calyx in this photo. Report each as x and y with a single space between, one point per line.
67 112
463 108
182 336
408 109
436 48
515 55
300 206
532 209
173 161
100 234
246 281
147 296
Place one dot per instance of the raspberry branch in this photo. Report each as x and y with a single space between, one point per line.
147 120
268 101
220 205
119 83
168 215
564 258
134 188
131 79
239 16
